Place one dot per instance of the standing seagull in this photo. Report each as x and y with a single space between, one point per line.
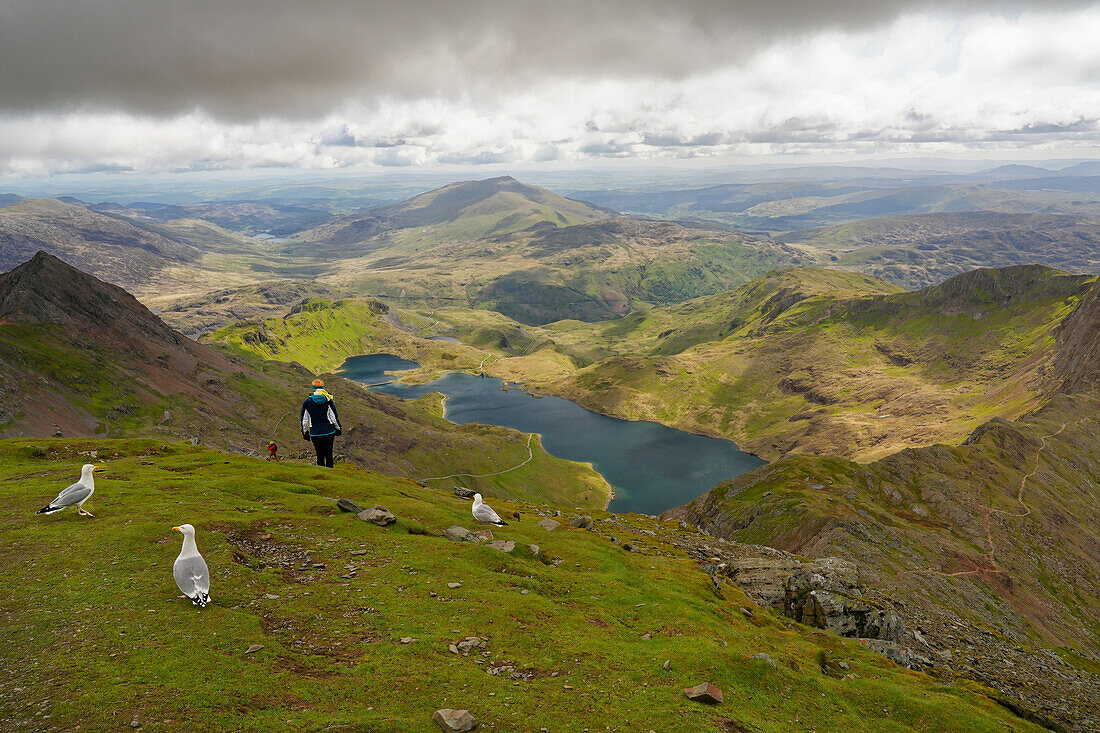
74 495
190 571
485 514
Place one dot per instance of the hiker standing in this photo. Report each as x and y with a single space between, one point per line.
320 423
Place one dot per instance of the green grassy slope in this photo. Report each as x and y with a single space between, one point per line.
96 638
784 367
83 358
999 535
802 360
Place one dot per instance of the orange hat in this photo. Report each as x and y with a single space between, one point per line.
318 383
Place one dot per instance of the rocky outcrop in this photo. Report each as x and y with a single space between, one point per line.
824 593
1077 350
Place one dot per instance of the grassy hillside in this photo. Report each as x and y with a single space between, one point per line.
991 548
574 636
148 257
787 365
137 377
463 210
802 360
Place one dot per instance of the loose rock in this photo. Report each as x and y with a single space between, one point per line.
459 534
347 505
484 535
764 658
535 549
458 721
254 648
583 523
706 692
378 515
454 584
502 545
549 525
464 493
469 644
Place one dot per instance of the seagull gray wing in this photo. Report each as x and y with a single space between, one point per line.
192 576
485 513
72 495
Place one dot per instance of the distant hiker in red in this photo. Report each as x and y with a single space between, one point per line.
272 451
320 423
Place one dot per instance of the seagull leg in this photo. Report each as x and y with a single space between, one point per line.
81 511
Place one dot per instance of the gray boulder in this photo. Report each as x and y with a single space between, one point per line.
502 545
549 524
458 721
347 505
377 515
583 523
464 493
459 534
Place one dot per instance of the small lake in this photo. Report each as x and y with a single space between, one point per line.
651 467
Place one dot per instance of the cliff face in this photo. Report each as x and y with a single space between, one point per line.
1077 354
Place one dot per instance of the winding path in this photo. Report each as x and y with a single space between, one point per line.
530 456
988 511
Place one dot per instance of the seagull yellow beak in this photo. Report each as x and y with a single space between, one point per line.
177 529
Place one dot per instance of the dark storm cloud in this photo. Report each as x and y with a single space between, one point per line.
243 59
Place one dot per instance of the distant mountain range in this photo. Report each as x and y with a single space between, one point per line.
537 257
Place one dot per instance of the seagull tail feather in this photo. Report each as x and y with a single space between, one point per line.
201 599
500 523
49 509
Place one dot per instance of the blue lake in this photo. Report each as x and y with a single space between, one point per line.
651 467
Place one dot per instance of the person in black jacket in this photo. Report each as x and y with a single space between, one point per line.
320 423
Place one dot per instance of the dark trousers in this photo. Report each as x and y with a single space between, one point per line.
323 444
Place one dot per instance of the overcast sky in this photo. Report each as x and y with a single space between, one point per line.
162 85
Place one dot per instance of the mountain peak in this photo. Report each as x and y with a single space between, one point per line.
46 289
466 209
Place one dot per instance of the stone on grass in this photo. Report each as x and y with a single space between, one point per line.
454 584
347 505
705 692
583 523
459 534
667 665
502 545
464 493
549 524
458 721
535 549
407 640
254 648
484 535
378 515
469 644
764 658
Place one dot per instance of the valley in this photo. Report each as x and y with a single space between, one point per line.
913 354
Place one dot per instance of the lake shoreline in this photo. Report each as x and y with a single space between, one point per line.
646 467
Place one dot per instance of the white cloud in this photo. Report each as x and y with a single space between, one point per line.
927 82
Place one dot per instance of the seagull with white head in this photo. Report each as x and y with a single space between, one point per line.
75 494
190 571
485 514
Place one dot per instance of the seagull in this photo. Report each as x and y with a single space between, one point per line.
74 495
190 571
485 514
